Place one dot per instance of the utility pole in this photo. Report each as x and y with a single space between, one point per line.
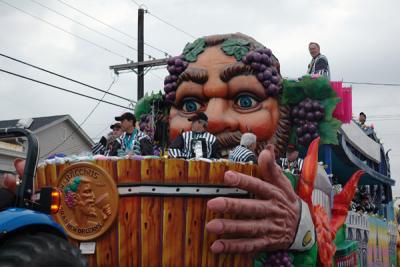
140 67
140 53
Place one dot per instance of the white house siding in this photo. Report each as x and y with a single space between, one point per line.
58 134
7 158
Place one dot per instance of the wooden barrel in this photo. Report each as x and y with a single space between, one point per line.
162 212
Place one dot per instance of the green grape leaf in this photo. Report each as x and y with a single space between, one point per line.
328 131
192 50
293 92
236 47
330 105
318 89
143 106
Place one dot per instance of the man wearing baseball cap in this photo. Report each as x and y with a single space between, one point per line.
133 141
292 162
197 143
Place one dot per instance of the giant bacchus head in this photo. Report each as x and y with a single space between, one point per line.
236 81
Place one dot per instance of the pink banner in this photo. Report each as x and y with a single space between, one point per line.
343 110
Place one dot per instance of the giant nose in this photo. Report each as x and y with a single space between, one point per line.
220 117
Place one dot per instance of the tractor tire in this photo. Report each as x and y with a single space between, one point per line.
40 250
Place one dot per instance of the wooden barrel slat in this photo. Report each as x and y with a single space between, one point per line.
174 215
40 177
51 175
216 176
195 213
107 248
129 216
152 170
106 245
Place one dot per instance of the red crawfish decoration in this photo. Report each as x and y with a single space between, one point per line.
326 230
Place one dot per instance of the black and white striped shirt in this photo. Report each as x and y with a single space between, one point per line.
194 145
320 65
106 148
139 145
242 154
294 167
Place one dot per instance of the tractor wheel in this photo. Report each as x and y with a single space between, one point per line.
40 250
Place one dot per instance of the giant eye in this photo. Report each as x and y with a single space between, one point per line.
190 105
246 101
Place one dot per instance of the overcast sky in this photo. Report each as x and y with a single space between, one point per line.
359 37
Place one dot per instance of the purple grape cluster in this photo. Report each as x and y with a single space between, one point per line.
261 62
176 65
306 116
69 199
279 259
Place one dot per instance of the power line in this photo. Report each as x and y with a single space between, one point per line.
62 89
65 31
173 26
111 27
87 27
371 83
136 3
83 122
166 22
64 77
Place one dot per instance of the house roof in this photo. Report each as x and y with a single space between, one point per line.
41 123
38 122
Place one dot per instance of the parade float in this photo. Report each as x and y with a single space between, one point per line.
152 210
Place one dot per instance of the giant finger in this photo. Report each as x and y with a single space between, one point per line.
246 228
245 207
253 185
272 173
241 245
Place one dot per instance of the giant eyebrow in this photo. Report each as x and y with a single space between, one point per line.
196 75
234 70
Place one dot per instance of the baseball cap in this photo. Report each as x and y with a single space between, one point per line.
291 147
199 116
115 125
126 116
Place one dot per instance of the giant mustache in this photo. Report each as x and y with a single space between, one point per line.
229 139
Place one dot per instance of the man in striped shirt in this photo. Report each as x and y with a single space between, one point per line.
108 146
292 162
319 63
133 141
197 143
245 151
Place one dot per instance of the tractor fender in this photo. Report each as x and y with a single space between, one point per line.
13 219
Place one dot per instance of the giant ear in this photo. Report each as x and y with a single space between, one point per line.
19 165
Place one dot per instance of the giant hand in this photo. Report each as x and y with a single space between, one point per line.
272 218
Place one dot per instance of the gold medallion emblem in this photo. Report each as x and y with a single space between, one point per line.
89 203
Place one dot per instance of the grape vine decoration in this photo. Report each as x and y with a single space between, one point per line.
261 62
306 116
176 65
279 259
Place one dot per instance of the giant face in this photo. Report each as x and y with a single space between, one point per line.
230 93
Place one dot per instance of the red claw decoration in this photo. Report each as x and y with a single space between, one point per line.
309 173
326 246
325 229
342 201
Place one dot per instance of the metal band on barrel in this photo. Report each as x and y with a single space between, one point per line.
179 190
